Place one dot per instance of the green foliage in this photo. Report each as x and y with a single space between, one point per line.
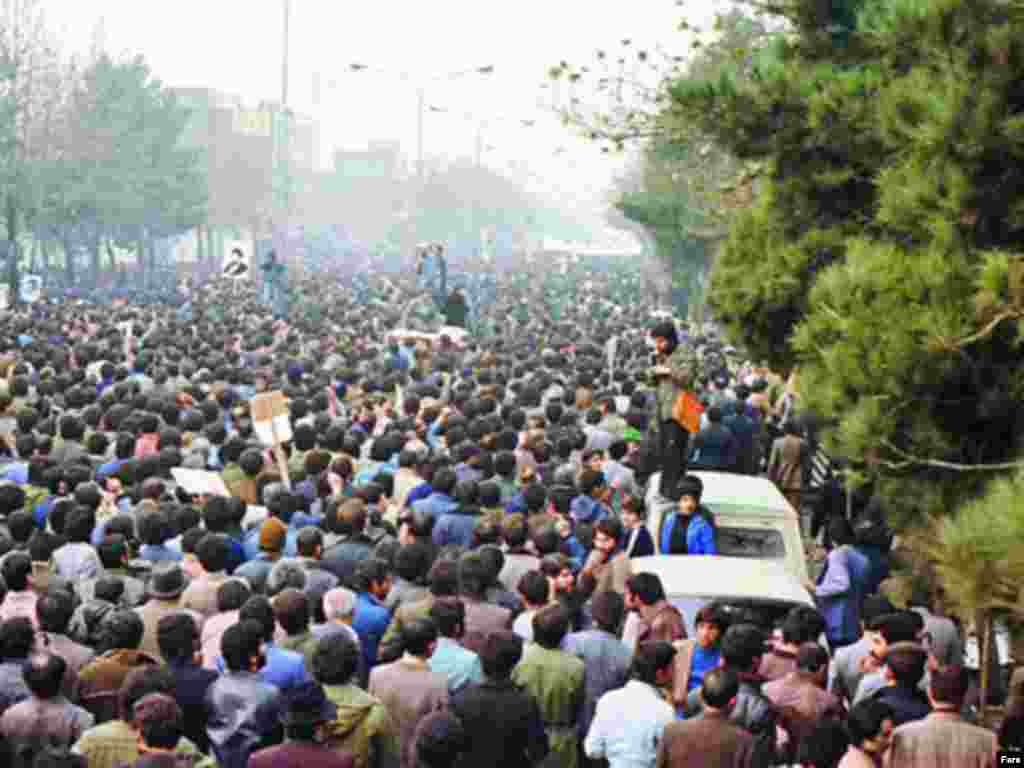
877 255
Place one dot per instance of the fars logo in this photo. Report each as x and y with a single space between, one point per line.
1010 757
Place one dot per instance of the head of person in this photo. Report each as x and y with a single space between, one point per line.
242 646
374 577
339 604
273 534
291 609
550 626
719 688
743 646
54 611
653 663
905 664
869 726
608 609
139 683
17 571
336 659
824 746
121 629
948 687
419 637
178 638
643 590
440 741
812 660
709 624
449 616
44 674
665 337
608 535
159 721
889 629
690 490
307 710
535 589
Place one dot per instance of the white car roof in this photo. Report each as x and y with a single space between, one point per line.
734 578
741 490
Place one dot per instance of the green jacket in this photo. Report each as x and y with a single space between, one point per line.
362 727
555 679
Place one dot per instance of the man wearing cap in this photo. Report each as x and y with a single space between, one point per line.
677 370
166 585
272 536
307 711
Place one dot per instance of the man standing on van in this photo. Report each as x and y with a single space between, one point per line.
676 370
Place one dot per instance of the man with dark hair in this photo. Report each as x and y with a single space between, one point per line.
98 682
20 600
606 660
167 583
459 664
482 617
555 679
518 558
114 554
714 738
443 581
346 518
676 372
46 717
591 506
943 738
272 536
848 664
801 697
77 559
116 743
695 656
178 638
903 671
200 596
292 611
53 614
885 631
658 618
839 592
408 688
244 710
742 648
282 668
441 739
307 717
628 722
607 564
411 565
802 625
372 582
440 502
506 723
362 725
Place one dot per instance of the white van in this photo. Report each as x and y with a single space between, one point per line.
754 519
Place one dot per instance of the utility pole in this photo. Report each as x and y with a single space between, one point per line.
420 107
284 55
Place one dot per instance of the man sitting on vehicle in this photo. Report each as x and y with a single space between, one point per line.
691 529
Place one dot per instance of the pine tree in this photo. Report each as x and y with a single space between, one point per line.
880 253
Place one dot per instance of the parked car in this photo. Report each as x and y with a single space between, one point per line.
764 587
754 519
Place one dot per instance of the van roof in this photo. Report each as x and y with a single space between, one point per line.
744 491
734 578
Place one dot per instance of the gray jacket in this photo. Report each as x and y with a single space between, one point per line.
244 716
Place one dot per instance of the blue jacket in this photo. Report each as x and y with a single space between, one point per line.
840 592
700 536
370 622
585 509
714 447
455 527
438 504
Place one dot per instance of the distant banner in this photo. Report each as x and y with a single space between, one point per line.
253 122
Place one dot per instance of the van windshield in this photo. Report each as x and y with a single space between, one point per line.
754 543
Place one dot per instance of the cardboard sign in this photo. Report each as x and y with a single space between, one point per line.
199 482
270 418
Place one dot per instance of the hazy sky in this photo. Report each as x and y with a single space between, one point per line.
235 46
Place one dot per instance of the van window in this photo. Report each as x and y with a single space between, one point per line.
756 543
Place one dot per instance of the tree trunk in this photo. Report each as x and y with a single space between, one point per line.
96 255
985 638
69 260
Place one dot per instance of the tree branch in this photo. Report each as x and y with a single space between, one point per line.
911 460
955 346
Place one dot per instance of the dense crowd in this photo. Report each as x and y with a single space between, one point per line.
436 567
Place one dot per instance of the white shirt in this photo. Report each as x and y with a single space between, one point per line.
628 725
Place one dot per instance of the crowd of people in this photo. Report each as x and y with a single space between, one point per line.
435 569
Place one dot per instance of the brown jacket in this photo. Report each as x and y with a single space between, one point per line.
802 702
151 612
776 664
100 680
409 691
611 576
201 595
942 740
707 741
482 620
661 621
